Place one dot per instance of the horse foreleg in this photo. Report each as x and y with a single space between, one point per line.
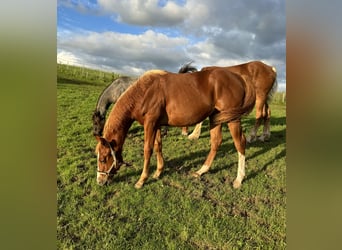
149 137
196 133
158 151
184 130
240 145
215 141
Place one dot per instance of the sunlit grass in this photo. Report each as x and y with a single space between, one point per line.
177 211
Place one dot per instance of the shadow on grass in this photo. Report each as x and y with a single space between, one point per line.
264 167
227 149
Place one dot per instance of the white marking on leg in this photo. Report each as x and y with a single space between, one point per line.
241 171
266 134
202 170
97 173
184 132
196 133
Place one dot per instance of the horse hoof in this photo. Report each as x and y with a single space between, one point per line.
156 176
236 184
196 175
193 137
264 138
138 185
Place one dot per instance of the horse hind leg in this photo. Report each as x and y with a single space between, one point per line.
258 119
196 133
159 153
240 145
215 141
266 135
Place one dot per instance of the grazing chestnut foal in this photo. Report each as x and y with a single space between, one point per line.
264 80
160 98
112 93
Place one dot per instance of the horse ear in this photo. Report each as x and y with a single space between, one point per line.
101 139
98 138
113 143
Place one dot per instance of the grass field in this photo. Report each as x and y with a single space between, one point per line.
177 211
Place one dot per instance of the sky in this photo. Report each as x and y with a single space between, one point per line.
132 36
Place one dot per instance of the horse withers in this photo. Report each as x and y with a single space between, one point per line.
161 98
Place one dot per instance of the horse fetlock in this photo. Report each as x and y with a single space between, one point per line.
156 174
196 174
264 137
193 136
251 138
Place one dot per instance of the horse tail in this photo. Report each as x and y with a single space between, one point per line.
274 86
187 68
237 113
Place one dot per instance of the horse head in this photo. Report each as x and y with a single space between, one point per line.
108 161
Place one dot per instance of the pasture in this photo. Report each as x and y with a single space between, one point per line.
177 211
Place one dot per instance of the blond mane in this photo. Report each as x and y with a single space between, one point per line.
154 71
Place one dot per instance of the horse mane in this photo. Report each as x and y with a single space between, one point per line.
187 68
153 72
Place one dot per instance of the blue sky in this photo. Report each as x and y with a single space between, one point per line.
132 36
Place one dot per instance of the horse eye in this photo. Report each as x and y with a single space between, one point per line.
103 161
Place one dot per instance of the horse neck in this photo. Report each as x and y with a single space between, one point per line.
118 122
105 99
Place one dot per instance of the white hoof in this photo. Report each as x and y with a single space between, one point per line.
236 184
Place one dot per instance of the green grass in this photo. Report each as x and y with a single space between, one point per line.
82 75
177 211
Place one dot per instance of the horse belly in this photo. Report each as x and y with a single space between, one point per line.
186 115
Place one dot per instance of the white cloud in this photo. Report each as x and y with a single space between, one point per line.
147 12
66 57
127 53
216 32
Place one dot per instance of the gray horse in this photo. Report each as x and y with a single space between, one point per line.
112 93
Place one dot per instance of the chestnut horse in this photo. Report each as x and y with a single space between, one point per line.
160 98
264 80
112 93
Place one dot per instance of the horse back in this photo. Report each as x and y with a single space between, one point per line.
261 75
